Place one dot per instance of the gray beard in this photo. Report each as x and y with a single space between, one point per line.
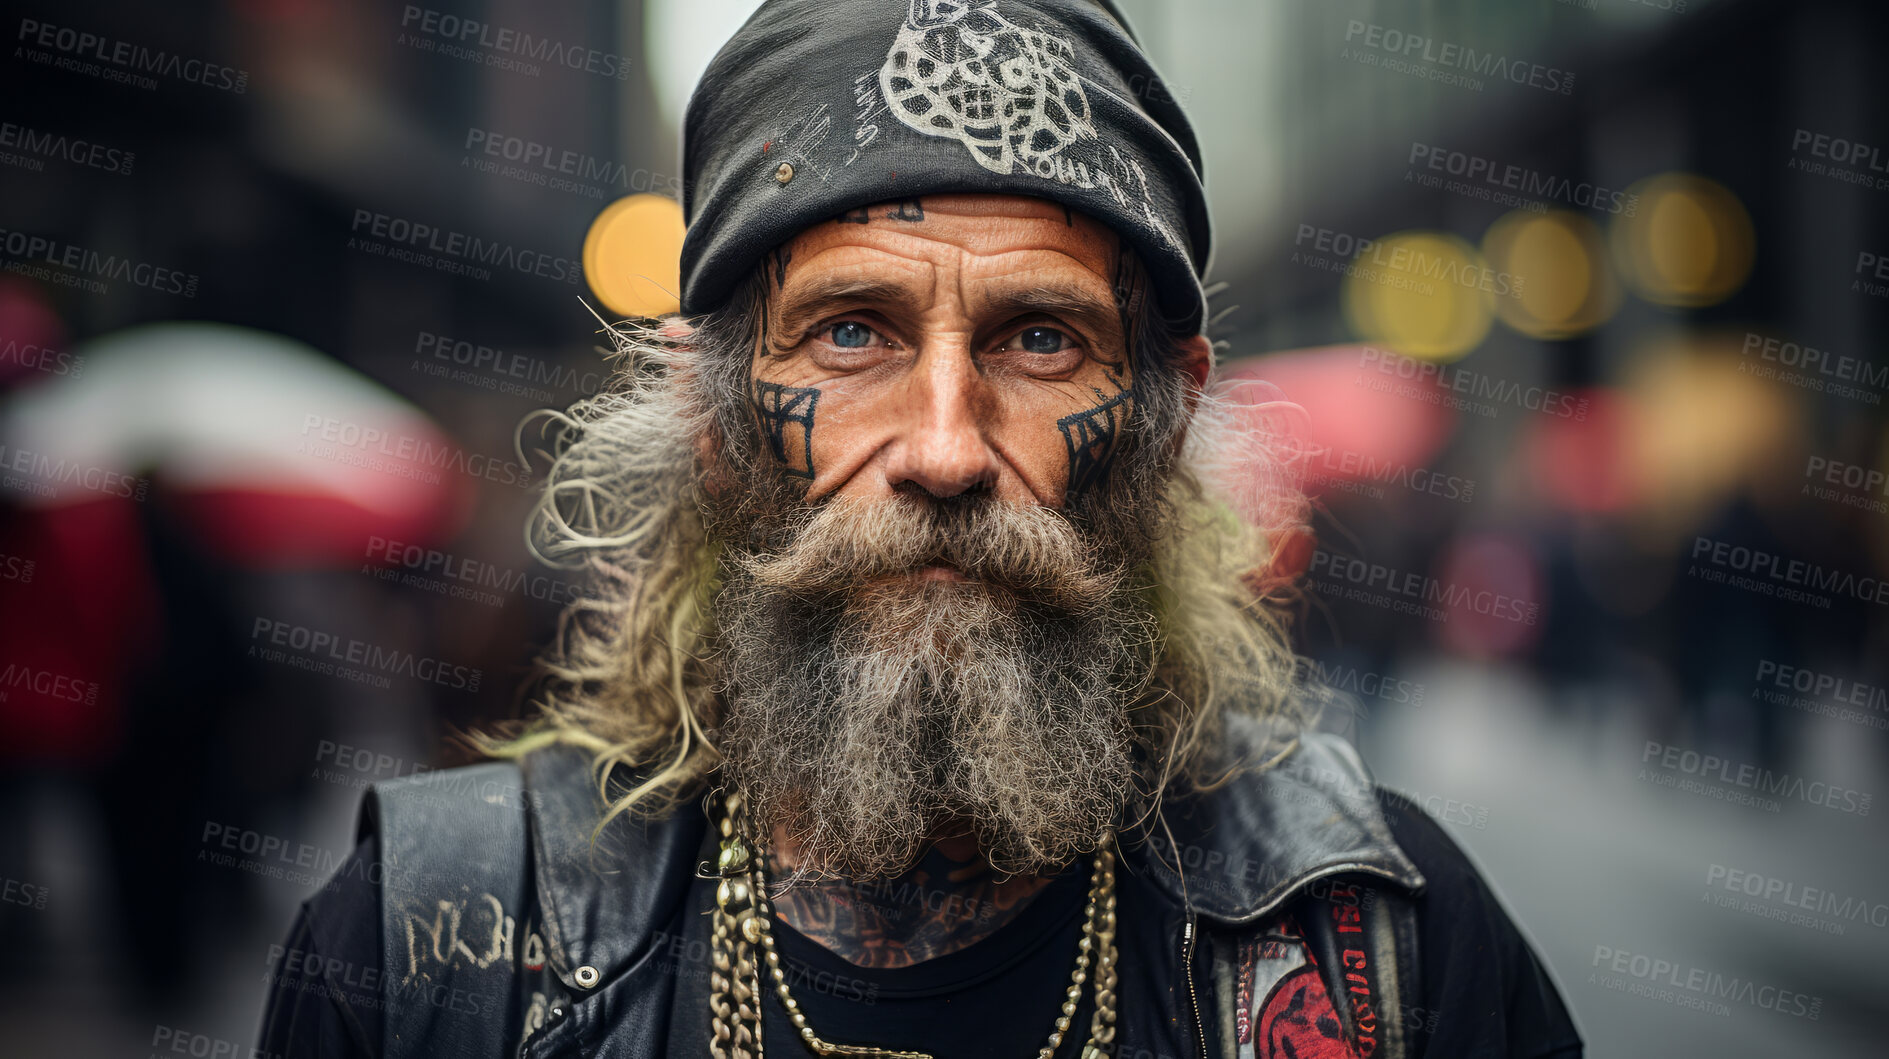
874 715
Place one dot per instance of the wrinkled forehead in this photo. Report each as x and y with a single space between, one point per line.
987 233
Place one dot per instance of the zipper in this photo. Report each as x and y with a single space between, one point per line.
1187 968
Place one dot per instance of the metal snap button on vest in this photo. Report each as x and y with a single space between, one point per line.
784 173
586 976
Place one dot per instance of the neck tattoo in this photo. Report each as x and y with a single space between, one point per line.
745 960
944 903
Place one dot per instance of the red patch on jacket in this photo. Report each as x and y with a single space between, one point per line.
1299 1022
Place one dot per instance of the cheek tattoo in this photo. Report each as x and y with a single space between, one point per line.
784 413
786 417
1089 435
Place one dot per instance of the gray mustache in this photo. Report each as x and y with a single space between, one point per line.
845 544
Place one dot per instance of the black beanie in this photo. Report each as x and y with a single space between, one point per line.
877 100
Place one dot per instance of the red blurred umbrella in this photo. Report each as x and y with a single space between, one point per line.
272 454
1364 407
277 454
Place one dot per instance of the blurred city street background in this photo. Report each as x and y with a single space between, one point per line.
1587 303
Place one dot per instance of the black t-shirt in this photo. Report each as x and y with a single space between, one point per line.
998 996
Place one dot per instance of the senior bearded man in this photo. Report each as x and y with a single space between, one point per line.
925 700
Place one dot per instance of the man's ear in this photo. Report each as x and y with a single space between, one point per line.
1194 357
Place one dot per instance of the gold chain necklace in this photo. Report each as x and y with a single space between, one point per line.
741 931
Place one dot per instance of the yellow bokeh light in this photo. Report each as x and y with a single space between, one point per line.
633 255
1687 241
1566 287
1698 427
1423 294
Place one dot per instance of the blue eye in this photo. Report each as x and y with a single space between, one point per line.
851 334
1041 340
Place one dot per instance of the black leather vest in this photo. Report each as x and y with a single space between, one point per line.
507 932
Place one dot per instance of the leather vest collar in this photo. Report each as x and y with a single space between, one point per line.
1242 849
1237 853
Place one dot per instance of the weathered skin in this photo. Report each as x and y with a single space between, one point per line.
988 319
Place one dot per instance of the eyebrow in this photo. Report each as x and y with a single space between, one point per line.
805 305
1066 300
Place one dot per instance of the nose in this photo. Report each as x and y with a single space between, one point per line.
942 447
